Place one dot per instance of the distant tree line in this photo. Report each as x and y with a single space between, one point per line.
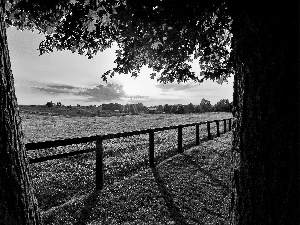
128 108
205 106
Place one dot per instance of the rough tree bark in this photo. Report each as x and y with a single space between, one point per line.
266 105
17 203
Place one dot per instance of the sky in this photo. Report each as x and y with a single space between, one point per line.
69 78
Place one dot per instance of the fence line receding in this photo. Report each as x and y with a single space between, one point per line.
98 139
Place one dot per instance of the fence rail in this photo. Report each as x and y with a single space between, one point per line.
100 138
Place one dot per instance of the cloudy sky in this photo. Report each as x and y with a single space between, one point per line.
73 79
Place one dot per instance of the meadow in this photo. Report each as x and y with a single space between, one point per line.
58 181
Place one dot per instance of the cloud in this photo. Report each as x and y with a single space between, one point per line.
98 93
136 97
56 89
175 86
62 86
108 92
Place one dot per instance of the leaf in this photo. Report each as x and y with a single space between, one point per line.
220 80
86 2
114 11
91 26
50 29
112 74
156 45
93 14
105 20
81 44
152 75
8 6
73 2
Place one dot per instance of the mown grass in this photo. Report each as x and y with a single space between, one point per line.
69 111
188 188
58 181
46 127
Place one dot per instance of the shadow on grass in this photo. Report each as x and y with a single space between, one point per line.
225 189
47 200
172 208
213 178
89 203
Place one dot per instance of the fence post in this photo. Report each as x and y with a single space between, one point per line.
151 148
224 126
197 134
208 131
218 128
99 163
180 139
229 125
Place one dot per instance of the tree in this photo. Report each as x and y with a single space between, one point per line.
190 108
266 135
173 109
141 108
50 104
205 105
179 109
160 108
222 106
17 204
112 107
165 35
148 34
197 109
167 108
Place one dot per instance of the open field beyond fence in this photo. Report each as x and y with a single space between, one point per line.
57 181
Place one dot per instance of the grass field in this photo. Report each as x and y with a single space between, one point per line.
48 127
69 111
191 188
58 181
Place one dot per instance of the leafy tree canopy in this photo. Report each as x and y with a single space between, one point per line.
163 35
205 105
223 105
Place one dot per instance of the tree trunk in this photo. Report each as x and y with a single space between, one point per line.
17 203
266 105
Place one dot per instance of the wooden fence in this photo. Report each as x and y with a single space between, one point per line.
100 138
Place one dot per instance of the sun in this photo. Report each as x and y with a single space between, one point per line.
132 88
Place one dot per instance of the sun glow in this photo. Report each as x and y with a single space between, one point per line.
132 89
141 86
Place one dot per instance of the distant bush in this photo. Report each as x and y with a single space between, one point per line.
179 109
50 104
